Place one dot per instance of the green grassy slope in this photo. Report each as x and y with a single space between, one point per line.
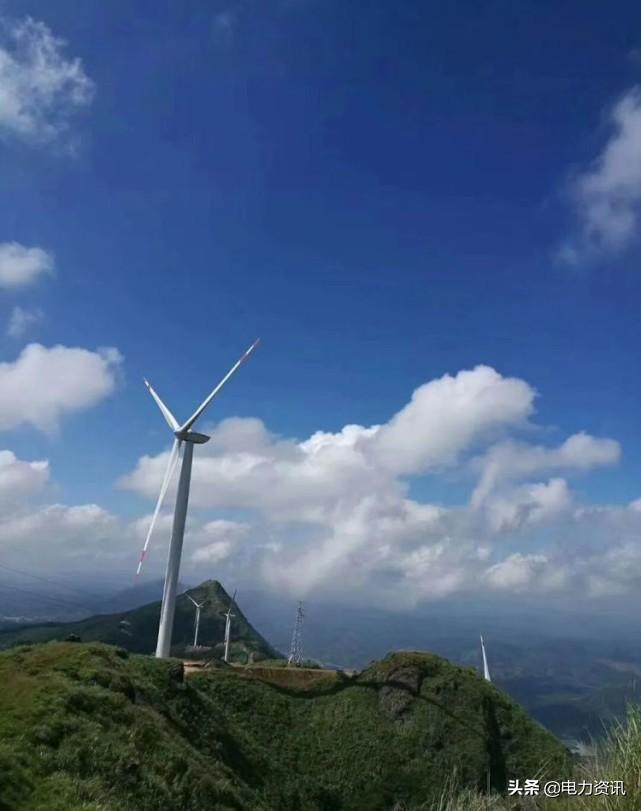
87 726
139 630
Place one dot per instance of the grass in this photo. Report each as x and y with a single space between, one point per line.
89 726
617 757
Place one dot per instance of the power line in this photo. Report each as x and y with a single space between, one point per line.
296 649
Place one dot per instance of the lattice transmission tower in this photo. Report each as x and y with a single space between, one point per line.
296 648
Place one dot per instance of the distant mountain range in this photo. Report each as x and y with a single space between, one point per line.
136 629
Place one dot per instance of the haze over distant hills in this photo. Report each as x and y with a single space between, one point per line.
136 629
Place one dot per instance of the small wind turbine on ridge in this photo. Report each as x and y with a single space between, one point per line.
228 617
197 623
184 438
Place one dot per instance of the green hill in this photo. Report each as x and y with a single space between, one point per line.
88 726
137 629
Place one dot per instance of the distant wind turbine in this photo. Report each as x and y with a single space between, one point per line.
486 669
228 617
184 436
197 623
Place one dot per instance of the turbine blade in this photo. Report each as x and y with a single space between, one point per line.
171 465
187 425
172 422
192 599
486 670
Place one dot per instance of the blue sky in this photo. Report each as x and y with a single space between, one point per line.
380 191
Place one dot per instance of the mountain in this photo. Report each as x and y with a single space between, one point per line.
92 726
575 674
134 596
137 629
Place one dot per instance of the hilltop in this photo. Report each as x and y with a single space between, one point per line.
136 630
89 726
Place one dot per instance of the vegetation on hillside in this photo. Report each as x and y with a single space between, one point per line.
617 757
88 726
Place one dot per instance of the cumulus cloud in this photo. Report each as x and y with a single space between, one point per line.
596 553
607 195
294 480
21 266
44 384
40 88
528 505
446 416
334 511
19 479
525 572
335 514
21 320
509 461
216 540
61 537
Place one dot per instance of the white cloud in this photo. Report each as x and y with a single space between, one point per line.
328 515
509 461
62 538
21 320
21 266
607 196
216 540
45 384
19 479
528 505
525 572
332 512
40 89
447 415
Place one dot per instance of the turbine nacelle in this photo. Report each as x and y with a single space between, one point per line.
192 436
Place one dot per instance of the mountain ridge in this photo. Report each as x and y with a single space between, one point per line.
88 726
136 629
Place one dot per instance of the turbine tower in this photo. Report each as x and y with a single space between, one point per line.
296 648
486 669
228 617
197 623
186 438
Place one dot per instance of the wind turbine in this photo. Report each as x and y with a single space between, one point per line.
197 624
486 669
228 617
185 438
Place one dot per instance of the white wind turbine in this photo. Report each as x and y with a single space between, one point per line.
184 437
197 623
486 669
228 617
